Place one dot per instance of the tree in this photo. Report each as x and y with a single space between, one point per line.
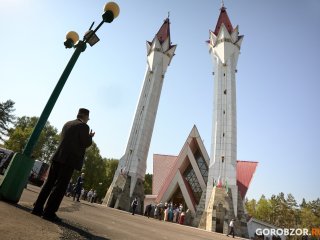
308 219
93 168
310 214
6 118
251 207
263 209
285 212
109 171
98 171
19 134
148 184
315 207
275 206
292 212
111 167
303 203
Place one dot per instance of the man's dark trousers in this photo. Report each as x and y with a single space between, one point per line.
231 231
55 188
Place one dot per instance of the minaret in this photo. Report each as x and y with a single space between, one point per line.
129 177
224 48
222 200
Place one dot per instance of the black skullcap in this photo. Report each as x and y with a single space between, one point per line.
83 112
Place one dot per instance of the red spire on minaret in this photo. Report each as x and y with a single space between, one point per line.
164 32
223 18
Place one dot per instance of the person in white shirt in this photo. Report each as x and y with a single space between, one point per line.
134 205
231 225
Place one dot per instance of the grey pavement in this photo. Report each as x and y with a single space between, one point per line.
86 220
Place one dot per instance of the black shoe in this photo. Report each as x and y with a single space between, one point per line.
37 212
51 217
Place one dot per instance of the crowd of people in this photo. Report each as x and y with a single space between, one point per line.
169 212
174 213
77 192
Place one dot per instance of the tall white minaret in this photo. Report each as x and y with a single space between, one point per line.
224 48
128 179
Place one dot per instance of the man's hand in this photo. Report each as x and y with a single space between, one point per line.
92 133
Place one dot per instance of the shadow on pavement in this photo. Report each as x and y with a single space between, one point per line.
70 230
78 230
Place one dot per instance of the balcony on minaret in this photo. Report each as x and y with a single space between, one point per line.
224 40
160 48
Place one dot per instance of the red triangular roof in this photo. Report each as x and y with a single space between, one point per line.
165 167
162 165
223 18
245 171
166 176
164 32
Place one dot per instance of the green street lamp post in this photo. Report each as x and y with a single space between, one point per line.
17 174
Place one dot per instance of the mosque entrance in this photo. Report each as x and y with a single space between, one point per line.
113 201
177 198
220 213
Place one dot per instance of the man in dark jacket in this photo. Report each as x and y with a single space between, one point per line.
78 187
134 205
75 138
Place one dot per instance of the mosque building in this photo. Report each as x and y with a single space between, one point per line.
211 189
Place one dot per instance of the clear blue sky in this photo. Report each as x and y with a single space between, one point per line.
277 81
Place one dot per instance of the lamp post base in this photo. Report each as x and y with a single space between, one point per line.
16 178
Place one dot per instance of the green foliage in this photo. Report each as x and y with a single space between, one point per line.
304 203
148 183
93 167
109 170
111 167
263 209
21 131
98 171
6 118
315 207
251 206
310 214
284 212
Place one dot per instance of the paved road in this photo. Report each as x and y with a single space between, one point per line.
86 220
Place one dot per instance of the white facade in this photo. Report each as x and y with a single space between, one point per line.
224 49
133 163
